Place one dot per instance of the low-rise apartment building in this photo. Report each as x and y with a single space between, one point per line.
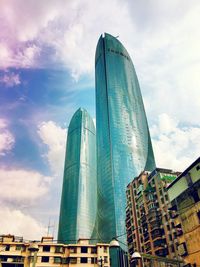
15 252
184 194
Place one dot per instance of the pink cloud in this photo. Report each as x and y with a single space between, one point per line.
10 79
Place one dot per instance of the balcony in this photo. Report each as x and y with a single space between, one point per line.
179 230
182 249
147 246
153 216
11 261
173 213
128 225
143 218
130 240
146 237
162 252
155 225
157 233
129 231
159 243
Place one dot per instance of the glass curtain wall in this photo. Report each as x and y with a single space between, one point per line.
78 202
124 146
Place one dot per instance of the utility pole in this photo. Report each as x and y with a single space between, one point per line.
101 262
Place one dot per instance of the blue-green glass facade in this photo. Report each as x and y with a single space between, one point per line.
78 201
124 146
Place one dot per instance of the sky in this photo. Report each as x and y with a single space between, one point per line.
47 53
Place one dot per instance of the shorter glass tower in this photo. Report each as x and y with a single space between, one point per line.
78 202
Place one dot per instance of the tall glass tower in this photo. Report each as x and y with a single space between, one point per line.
78 202
124 146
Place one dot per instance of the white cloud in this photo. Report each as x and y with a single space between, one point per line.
7 140
167 61
14 221
22 186
22 189
10 79
4 55
54 137
174 146
68 29
163 40
28 56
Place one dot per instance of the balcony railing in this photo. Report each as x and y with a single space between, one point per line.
157 233
162 252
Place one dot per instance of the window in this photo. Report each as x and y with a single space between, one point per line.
73 260
65 260
84 260
172 248
195 196
170 237
94 250
45 259
57 259
46 248
105 249
59 249
7 248
93 260
105 259
150 196
84 249
18 247
73 249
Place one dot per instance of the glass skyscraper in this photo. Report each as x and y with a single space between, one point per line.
79 195
124 146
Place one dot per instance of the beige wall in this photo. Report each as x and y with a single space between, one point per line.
9 252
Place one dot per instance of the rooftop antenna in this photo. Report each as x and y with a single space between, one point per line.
50 226
53 231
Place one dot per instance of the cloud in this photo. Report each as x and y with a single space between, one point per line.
23 186
162 38
166 55
61 33
54 137
28 56
175 147
5 55
7 139
10 79
22 189
14 221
